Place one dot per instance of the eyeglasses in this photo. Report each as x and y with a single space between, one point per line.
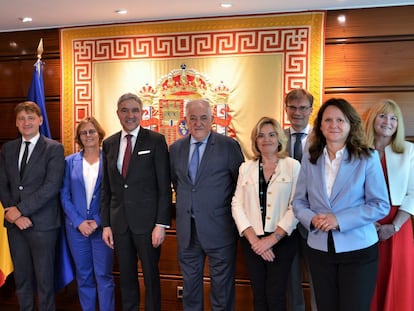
90 132
300 108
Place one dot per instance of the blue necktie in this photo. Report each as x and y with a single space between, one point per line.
297 147
195 159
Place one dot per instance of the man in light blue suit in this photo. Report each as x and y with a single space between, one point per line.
205 226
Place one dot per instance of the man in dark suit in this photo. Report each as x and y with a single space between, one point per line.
205 226
136 202
31 172
298 107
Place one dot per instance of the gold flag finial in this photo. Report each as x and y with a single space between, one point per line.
40 49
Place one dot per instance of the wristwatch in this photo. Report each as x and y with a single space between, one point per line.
396 228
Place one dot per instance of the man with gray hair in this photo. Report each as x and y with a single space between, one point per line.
136 202
204 171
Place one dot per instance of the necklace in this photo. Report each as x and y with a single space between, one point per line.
268 168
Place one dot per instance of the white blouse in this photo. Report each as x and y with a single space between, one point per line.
90 175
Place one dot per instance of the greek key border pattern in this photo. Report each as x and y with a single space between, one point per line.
292 42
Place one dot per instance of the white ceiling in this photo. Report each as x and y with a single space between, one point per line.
61 13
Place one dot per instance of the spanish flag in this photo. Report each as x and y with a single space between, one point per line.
6 265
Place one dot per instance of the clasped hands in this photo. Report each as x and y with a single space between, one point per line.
263 247
325 222
14 216
87 227
385 231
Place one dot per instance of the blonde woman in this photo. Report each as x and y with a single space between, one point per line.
262 211
395 283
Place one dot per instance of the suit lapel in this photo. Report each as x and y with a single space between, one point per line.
344 177
99 179
113 152
320 172
210 145
140 140
15 155
184 154
78 168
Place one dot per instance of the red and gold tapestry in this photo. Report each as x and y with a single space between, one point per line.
243 65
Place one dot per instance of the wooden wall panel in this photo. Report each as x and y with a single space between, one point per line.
23 44
7 122
355 65
388 21
370 57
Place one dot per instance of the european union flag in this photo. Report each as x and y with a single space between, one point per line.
64 267
37 95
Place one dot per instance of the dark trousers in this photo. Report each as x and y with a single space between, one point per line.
221 263
296 299
33 255
344 281
130 248
269 279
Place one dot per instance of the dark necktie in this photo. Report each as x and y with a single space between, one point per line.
127 155
195 159
297 148
24 158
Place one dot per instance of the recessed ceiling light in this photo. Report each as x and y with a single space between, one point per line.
226 5
25 19
341 19
121 11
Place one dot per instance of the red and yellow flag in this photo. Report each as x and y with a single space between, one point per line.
6 264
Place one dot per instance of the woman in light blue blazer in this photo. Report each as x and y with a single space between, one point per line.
80 194
340 194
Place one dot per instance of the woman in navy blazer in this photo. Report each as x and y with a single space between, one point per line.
340 194
80 196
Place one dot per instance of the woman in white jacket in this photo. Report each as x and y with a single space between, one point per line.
262 211
395 282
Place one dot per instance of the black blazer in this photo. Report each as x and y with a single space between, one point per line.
36 195
143 198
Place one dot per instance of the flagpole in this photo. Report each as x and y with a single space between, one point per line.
37 90
38 63
40 49
64 267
